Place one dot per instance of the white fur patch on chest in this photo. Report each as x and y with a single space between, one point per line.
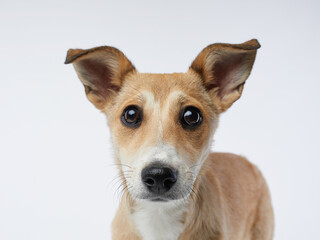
159 221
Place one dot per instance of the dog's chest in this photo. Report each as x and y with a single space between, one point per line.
156 221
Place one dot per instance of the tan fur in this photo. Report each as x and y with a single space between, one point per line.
229 198
229 192
231 201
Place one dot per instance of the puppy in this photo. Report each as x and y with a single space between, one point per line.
162 127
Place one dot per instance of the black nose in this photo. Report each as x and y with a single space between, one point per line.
158 179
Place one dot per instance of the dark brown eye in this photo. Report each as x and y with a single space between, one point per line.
132 116
190 117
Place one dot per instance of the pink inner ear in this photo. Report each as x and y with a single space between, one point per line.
226 72
99 76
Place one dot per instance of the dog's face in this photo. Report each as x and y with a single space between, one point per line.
162 124
161 127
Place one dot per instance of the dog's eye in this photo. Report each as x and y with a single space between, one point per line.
132 116
190 117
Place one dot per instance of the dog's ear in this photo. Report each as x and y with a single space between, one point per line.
224 69
101 70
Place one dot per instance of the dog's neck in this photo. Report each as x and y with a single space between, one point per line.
159 220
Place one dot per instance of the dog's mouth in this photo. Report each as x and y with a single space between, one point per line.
161 198
172 195
158 199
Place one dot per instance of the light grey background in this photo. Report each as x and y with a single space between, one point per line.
55 152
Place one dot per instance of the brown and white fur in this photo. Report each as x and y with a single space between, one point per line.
215 195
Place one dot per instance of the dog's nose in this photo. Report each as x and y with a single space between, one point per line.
158 179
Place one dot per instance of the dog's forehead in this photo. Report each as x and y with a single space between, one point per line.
163 85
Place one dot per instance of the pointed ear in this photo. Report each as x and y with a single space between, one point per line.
224 69
101 70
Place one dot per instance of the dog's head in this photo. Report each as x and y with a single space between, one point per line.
162 124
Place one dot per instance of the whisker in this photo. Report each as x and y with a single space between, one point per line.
119 164
195 165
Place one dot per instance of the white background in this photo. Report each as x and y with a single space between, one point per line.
55 152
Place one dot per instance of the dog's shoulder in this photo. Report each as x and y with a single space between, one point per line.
231 167
233 162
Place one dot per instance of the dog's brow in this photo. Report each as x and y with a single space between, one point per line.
177 95
147 96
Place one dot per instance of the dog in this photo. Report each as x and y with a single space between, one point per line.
162 127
